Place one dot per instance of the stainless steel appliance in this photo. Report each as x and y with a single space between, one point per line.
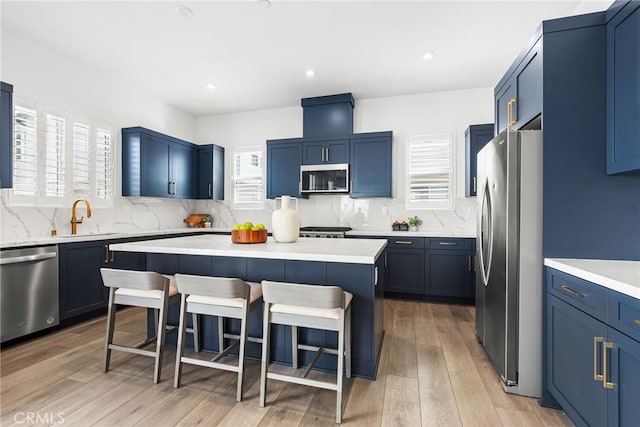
509 242
329 232
325 178
28 291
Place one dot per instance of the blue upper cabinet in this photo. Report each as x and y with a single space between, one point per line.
518 96
623 90
370 164
284 158
210 172
6 135
327 151
327 116
157 165
475 137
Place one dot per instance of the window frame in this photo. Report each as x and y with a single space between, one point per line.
431 204
257 204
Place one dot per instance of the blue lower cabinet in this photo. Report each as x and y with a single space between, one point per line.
405 269
450 273
592 368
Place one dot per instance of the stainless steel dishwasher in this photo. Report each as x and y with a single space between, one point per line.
28 291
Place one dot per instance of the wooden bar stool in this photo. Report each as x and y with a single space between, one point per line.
222 297
310 306
139 289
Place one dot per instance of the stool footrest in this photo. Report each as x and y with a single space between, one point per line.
315 348
209 364
302 381
237 337
132 350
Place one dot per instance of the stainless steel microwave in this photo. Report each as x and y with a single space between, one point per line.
326 178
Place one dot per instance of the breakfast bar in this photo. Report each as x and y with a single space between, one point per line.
356 265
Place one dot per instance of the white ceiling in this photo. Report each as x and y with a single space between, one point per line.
256 55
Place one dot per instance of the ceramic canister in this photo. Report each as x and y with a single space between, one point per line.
285 222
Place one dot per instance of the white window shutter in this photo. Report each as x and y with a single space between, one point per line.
104 166
25 155
55 161
80 160
248 181
429 166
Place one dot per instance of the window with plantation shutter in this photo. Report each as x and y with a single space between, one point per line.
429 166
25 150
248 181
81 142
104 164
55 164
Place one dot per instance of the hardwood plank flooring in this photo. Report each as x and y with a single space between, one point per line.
432 372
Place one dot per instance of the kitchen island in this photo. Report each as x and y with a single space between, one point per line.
355 265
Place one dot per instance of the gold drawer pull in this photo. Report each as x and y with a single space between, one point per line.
571 291
606 384
596 375
403 242
637 321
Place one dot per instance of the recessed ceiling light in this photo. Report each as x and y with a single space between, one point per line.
309 73
184 10
210 86
265 3
428 55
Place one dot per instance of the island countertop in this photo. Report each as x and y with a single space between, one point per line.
356 251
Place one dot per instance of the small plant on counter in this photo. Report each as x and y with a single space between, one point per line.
399 226
207 220
415 222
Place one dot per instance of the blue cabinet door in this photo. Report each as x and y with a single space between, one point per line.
210 172
623 90
327 152
6 135
449 273
528 83
154 167
571 365
183 170
475 138
283 168
370 162
405 271
503 105
624 396
312 152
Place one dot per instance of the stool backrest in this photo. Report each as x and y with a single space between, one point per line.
142 280
220 287
317 296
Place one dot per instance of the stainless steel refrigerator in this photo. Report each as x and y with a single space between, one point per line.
509 253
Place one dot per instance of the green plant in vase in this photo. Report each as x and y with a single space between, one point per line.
415 223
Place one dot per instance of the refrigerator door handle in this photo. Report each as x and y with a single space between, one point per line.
485 225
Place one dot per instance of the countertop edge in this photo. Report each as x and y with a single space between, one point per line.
595 276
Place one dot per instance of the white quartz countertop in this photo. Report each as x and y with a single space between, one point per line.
621 276
356 251
391 233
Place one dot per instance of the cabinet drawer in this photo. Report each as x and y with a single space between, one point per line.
454 244
624 314
584 295
405 242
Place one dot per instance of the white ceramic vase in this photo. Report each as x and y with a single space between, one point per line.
285 222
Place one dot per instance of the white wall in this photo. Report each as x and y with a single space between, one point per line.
451 111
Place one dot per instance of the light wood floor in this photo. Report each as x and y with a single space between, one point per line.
432 372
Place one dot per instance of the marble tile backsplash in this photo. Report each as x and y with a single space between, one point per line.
142 213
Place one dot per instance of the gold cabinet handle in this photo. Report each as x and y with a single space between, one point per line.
106 254
403 242
606 384
637 321
510 116
596 375
571 291
447 243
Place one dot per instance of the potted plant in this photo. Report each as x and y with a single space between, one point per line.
415 223
207 220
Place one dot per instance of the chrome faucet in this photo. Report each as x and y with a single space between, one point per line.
75 221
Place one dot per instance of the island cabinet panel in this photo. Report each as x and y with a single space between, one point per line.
593 359
81 289
284 158
6 135
623 90
359 279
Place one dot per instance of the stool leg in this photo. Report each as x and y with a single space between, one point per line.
111 321
347 338
294 346
241 353
182 329
220 334
162 322
266 327
196 331
341 337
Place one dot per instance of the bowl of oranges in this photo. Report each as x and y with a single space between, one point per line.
248 233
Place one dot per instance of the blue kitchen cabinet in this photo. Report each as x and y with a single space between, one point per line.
325 152
210 172
475 137
405 265
623 90
370 165
284 158
518 96
157 165
593 354
450 268
6 135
